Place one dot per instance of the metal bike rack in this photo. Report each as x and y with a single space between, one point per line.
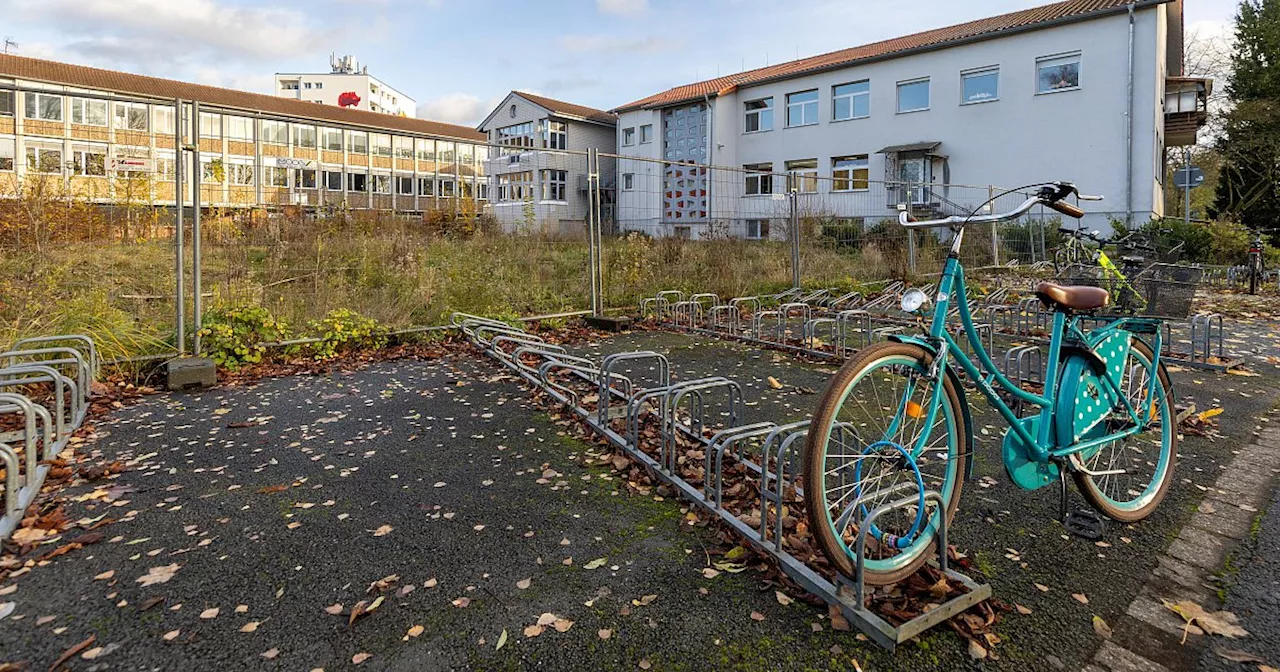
1206 332
773 460
63 368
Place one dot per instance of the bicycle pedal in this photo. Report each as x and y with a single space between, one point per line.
1085 524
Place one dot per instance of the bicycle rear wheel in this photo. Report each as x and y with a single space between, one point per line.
860 454
1147 458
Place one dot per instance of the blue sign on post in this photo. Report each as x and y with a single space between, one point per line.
1188 177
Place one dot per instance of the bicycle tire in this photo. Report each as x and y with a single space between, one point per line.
817 504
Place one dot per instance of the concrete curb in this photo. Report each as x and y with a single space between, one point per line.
1148 637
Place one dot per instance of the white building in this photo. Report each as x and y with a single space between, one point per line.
538 174
1070 91
347 84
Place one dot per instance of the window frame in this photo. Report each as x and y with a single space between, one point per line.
761 232
298 136
1060 59
274 132
12 109
326 179
555 134
238 129
83 108
804 106
646 134
853 97
628 181
12 157
798 177
34 154
211 117
79 160
123 116
629 136
759 174
857 162
973 73
354 138
928 87
554 185
33 106
760 113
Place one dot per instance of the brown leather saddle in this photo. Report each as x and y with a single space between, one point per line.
1072 298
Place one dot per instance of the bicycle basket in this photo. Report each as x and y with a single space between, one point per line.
1159 290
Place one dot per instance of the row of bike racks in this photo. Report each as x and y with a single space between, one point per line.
825 325
618 396
45 384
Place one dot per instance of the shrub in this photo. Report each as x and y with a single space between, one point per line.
233 335
344 330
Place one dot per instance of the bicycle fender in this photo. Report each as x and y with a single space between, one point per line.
964 398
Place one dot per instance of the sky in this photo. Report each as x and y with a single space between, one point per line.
459 58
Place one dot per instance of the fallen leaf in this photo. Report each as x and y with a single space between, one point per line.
333 609
71 652
157 575
644 601
783 598
562 624
1042 588
172 634
976 650
1100 626
429 583
603 633
383 531
522 584
773 382
359 657
710 573
502 639
644 663
1237 656
531 631
462 602
547 618
110 572
251 626
1215 623
1080 597
596 564
415 630
757 616
270 653
1021 609
209 613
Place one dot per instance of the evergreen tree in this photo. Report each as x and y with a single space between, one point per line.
1249 184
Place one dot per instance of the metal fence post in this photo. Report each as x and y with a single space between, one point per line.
995 232
180 289
594 241
793 197
197 301
911 251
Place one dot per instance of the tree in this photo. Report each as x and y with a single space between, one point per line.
1249 184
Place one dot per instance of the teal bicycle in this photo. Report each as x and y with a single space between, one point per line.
894 423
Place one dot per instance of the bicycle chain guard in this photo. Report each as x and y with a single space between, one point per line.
1023 470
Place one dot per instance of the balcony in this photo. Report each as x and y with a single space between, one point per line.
1186 109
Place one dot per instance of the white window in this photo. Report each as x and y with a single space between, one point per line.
319 85
913 95
240 173
403 147
44 158
6 103
43 106
88 112
131 116
759 178
515 186
275 177
210 125
358 142
332 139
802 108
555 135
275 132
426 186
381 144
851 101
304 178
850 173
381 184
517 135
89 160
628 181
757 229
1058 73
426 149
162 120
553 184
6 153
628 137
212 170
306 85
333 180
802 176
289 86
304 136
446 188
357 182
646 134
759 115
979 86
404 185
164 168
239 128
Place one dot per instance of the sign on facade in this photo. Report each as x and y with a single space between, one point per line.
130 164
1190 176
282 162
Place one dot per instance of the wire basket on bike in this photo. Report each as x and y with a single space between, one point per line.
1159 290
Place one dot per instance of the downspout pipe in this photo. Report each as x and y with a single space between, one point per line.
1128 135
711 155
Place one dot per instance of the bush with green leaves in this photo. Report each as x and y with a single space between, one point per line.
234 335
344 330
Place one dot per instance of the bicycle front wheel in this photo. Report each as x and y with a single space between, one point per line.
868 445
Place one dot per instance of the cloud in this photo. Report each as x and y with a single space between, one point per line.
170 30
457 108
623 7
607 44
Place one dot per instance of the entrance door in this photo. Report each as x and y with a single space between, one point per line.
914 173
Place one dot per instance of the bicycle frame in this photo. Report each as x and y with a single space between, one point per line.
989 379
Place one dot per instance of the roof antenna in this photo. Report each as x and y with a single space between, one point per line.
8 42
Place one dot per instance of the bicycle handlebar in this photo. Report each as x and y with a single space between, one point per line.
1049 195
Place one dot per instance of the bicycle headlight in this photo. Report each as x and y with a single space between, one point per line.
913 300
